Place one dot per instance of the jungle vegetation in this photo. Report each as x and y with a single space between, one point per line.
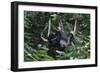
36 23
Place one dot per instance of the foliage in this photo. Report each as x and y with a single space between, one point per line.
35 49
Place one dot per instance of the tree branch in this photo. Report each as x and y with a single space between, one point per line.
49 27
75 27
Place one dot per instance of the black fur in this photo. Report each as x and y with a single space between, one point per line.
59 40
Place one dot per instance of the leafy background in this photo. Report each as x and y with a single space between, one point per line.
35 49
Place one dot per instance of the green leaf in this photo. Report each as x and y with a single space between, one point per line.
48 57
42 51
36 56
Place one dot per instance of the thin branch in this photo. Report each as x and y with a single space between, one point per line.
49 27
75 27
60 27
